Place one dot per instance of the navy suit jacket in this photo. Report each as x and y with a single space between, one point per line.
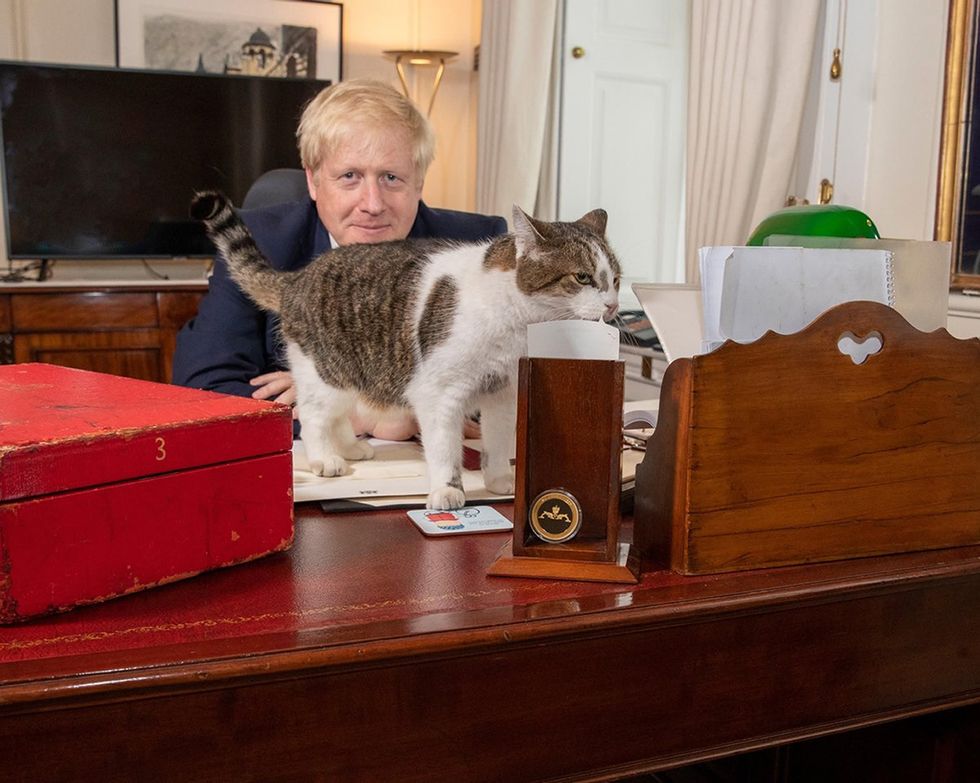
230 341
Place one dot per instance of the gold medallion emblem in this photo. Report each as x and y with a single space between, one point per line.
555 516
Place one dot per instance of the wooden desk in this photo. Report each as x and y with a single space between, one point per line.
371 653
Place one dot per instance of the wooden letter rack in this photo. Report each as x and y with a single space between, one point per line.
788 451
568 482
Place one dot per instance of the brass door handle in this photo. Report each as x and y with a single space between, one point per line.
826 191
578 52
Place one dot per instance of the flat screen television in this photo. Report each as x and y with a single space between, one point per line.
103 162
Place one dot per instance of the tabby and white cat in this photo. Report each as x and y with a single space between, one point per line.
431 325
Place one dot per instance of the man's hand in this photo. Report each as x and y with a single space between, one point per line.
277 386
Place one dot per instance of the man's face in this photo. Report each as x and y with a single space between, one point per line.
367 190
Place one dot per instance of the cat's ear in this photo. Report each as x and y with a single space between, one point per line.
526 233
596 220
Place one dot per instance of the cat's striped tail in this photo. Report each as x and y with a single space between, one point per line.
247 265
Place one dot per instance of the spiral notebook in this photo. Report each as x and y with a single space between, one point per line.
920 271
784 289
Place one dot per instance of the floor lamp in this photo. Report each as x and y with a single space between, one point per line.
420 58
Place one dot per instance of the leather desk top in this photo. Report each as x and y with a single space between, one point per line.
354 570
369 652
361 582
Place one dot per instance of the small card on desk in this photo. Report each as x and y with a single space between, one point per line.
470 519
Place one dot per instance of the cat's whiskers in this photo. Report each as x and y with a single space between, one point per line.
625 334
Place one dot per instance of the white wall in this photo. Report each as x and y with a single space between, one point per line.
372 26
58 31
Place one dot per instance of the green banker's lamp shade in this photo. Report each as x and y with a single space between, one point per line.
822 220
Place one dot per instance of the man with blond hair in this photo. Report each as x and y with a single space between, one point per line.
365 149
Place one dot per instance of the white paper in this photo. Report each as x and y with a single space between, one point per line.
920 271
397 477
784 289
573 340
675 312
641 414
749 290
712 262
397 470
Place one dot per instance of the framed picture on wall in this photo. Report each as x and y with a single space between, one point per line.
276 38
958 204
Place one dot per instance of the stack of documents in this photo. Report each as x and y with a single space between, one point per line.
790 282
396 476
752 290
920 273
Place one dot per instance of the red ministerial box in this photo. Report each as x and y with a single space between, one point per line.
110 485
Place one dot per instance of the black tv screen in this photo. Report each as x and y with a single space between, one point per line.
103 162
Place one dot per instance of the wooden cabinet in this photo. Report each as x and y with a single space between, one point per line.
6 338
129 330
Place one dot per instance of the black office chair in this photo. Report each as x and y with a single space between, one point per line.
276 186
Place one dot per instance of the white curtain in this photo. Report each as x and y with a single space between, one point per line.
749 68
517 127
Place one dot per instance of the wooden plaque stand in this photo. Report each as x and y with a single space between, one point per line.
786 451
569 443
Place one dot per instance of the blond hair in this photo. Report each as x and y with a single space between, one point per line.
336 110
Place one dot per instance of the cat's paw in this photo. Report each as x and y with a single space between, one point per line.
332 465
358 450
500 485
446 499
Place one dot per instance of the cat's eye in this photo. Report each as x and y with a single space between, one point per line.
582 278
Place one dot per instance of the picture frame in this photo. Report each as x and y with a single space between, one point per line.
276 38
958 197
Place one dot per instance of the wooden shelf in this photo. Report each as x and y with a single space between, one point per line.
128 330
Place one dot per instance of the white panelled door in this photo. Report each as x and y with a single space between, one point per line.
836 136
622 138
